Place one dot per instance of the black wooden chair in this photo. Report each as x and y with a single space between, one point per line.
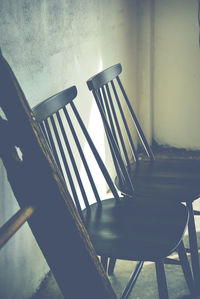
166 180
118 227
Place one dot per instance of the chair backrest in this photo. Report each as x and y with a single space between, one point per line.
111 97
59 120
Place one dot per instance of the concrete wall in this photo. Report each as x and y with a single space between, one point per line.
143 94
52 45
168 72
176 87
22 263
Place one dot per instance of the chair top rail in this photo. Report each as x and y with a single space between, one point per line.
104 77
48 107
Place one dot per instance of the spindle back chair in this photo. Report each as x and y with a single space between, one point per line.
118 227
171 180
112 98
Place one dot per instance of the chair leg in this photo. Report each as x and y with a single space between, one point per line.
111 266
104 261
161 280
132 280
186 267
194 249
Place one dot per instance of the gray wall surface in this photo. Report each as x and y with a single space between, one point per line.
168 72
52 45
176 74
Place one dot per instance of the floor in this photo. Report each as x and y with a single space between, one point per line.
146 286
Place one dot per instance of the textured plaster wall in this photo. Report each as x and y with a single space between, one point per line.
22 263
145 65
50 46
176 71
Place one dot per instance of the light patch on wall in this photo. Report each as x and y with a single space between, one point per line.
96 131
2 114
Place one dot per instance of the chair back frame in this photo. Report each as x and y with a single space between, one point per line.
108 90
48 114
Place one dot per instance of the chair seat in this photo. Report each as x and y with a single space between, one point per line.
188 169
160 190
131 231
173 180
